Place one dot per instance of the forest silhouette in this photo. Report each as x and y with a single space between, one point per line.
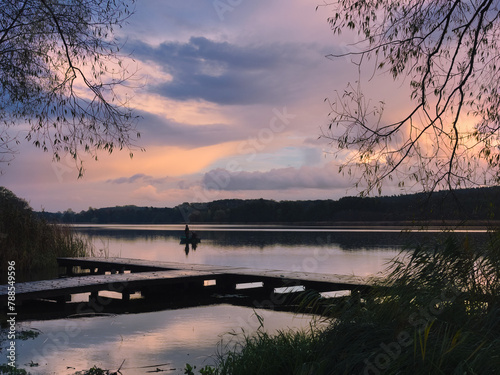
480 206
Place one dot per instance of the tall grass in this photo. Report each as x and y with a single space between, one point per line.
284 353
438 312
31 242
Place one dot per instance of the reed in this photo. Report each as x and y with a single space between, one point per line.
438 312
283 353
32 242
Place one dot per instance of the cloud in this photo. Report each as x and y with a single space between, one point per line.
306 177
226 73
149 193
140 178
156 130
128 180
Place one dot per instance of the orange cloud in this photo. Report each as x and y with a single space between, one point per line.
186 112
159 161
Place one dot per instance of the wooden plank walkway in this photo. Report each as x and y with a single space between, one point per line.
127 264
127 276
125 283
133 265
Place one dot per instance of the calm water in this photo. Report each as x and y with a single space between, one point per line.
169 339
322 250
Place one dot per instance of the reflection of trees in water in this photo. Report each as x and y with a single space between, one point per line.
131 235
343 240
262 239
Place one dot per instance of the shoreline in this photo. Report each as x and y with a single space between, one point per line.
452 225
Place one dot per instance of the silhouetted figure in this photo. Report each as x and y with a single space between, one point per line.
186 232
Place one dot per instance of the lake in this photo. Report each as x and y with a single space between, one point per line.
167 340
308 249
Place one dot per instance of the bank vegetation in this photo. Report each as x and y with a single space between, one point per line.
438 312
32 242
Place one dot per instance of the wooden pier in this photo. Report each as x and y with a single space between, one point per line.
126 277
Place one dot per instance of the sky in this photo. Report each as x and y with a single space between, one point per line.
231 98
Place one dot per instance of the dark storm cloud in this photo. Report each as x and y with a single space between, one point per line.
326 177
156 130
225 73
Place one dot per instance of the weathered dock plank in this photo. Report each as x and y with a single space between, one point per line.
121 283
129 264
157 277
133 265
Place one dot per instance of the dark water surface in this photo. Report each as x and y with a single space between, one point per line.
361 252
169 339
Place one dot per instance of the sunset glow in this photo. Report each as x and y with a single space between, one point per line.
239 92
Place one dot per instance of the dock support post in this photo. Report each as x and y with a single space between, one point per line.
192 286
229 287
267 289
225 284
126 295
61 300
94 296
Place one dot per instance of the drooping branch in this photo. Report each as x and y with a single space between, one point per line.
6 30
54 75
449 50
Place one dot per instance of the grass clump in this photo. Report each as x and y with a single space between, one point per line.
30 241
438 312
284 353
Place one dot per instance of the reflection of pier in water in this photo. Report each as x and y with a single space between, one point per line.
141 285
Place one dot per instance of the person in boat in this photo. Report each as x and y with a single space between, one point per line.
186 232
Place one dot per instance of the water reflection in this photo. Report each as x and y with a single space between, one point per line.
166 340
321 249
192 245
261 237
176 337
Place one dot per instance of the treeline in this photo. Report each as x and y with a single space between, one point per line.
30 243
481 204
119 215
